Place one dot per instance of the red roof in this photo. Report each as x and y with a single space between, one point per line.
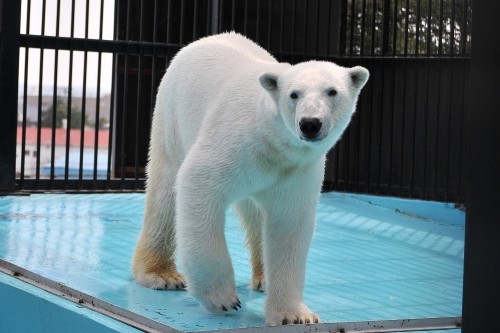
60 137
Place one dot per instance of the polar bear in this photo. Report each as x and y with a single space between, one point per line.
232 126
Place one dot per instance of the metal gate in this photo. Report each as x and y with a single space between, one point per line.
89 70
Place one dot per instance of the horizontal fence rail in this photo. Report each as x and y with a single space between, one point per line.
89 70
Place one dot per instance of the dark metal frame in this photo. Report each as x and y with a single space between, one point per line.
481 298
482 267
397 145
9 60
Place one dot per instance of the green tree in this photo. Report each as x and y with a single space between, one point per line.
61 114
412 27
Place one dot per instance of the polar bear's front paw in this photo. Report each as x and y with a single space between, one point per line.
218 301
302 315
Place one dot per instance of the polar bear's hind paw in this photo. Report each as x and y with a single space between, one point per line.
162 280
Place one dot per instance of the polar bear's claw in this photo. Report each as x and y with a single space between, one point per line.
299 316
216 304
258 283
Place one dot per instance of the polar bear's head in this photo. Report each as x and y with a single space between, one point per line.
315 99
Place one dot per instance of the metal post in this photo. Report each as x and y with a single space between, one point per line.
215 17
481 298
10 12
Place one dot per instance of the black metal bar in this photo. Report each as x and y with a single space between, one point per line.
352 18
40 94
169 17
417 28
111 148
70 94
306 25
363 21
55 95
407 16
195 20
374 13
10 14
282 22
84 96
79 186
452 28
316 32
441 25
269 24
257 23
463 33
25 97
25 112
386 17
98 95
395 20
294 20
429 27
233 14
481 297
95 45
245 18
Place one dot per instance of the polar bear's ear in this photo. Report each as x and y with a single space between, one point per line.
359 76
269 81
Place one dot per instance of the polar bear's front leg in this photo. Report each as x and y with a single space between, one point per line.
288 229
201 242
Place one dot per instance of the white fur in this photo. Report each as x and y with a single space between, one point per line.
226 131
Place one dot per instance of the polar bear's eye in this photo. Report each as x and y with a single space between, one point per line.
294 95
332 92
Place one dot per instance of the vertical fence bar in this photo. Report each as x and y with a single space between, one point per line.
84 97
441 27
374 13
54 100
481 296
40 94
395 29
70 94
25 98
407 17
452 28
10 15
257 23
429 27
195 20
363 21
181 30
98 98
417 28
463 33
245 18
306 25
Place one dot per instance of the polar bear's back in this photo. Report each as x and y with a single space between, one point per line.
201 75
225 47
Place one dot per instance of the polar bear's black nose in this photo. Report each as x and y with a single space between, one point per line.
310 127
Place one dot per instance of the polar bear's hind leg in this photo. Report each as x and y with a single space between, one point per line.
251 218
154 258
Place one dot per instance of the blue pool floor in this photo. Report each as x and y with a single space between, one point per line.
372 258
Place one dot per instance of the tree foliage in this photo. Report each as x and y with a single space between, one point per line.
407 27
75 117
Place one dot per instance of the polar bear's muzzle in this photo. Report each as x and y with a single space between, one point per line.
310 128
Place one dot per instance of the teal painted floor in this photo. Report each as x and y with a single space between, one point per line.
372 258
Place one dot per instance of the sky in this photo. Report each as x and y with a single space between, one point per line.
49 29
